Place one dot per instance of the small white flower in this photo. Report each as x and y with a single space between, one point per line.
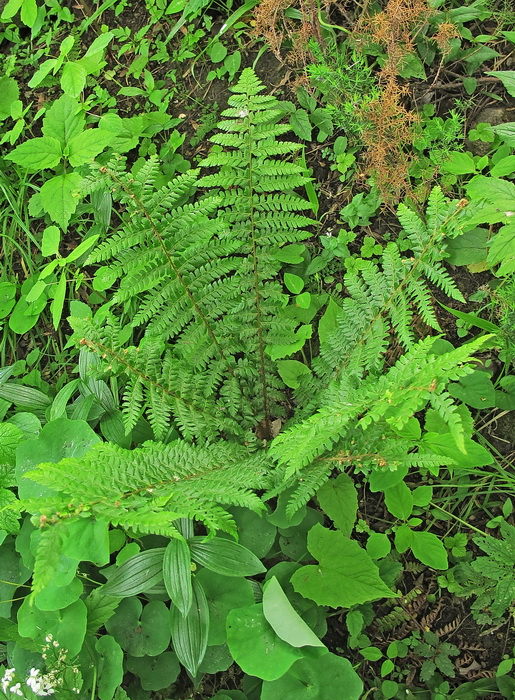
48 638
55 643
509 213
17 689
243 113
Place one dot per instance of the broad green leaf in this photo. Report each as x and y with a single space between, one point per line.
225 557
177 574
276 352
45 68
290 371
190 633
9 93
294 283
10 438
339 500
11 8
109 666
412 67
506 166
502 250
378 545
58 197
57 304
493 189
255 646
51 241
67 625
326 678
99 44
459 164
254 530
26 396
10 574
327 323
474 389
155 672
64 120
29 13
7 298
58 439
506 132
73 79
403 538
468 248
301 125
223 594
141 631
86 539
136 575
55 597
507 78
475 455
399 501
100 609
85 146
37 154
428 549
286 623
345 575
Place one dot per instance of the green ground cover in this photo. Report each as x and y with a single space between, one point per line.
257 342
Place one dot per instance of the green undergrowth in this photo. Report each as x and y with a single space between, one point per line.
247 444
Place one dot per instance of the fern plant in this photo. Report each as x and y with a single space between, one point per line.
202 275
207 283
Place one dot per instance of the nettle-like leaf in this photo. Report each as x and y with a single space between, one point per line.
345 575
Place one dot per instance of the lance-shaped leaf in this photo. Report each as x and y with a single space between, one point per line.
190 632
225 557
177 574
136 575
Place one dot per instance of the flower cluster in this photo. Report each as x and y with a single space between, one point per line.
41 685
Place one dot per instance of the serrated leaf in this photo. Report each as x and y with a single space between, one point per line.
345 575
136 575
9 93
87 145
177 574
507 78
190 633
100 609
51 241
301 125
64 120
225 557
339 500
58 197
73 79
37 154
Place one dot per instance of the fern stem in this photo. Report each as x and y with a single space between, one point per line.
259 315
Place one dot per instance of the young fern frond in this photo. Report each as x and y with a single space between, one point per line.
384 296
